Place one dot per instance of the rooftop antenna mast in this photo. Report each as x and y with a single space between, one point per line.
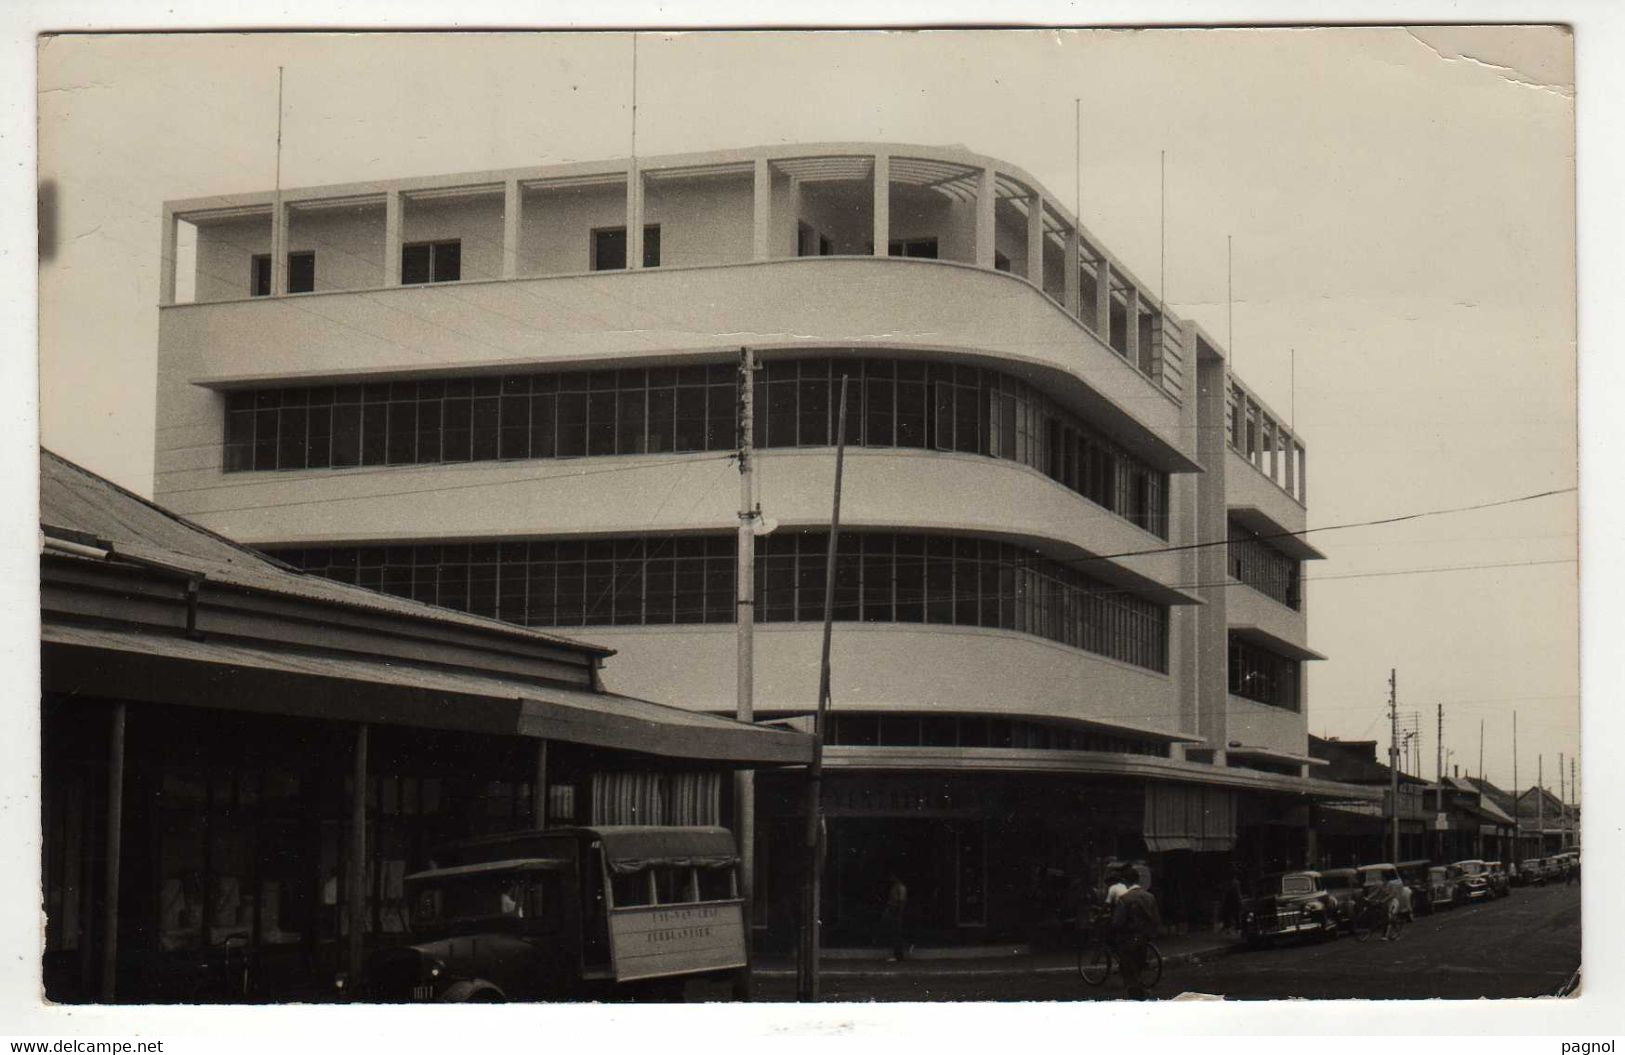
1230 298
1162 272
279 255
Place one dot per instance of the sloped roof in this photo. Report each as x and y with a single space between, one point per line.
78 505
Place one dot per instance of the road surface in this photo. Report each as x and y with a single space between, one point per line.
1524 945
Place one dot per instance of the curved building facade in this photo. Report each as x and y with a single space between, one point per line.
1068 613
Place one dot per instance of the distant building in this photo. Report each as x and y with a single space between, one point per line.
1070 622
206 713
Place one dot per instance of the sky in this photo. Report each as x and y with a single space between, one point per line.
1400 204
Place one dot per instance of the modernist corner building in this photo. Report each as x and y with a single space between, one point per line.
1069 623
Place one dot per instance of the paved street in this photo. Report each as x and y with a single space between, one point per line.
1525 945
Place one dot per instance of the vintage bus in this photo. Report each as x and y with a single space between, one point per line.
602 913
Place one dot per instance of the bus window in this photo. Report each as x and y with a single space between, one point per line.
716 884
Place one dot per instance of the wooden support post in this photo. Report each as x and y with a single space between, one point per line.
882 205
986 225
114 849
538 788
356 893
762 211
512 211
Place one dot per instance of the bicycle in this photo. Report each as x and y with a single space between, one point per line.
1098 958
1373 916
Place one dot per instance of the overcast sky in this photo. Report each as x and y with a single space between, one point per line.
1401 206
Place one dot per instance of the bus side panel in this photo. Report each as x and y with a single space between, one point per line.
657 941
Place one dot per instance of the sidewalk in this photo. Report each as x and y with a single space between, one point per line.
1177 950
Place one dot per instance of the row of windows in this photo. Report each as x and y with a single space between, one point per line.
879 578
890 403
1260 675
442 261
1263 567
931 730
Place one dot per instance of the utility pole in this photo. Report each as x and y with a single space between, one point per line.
1481 749
745 618
808 974
1438 774
1562 806
1517 824
1393 762
1574 798
1540 804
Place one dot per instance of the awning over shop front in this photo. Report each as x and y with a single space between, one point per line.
121 663
633 848
1189 817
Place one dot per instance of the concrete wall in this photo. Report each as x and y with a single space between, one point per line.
1248 607
1260 725
669 314
348 243
905 490
1246 486
225 252
705 221
1213 635
949 670
477 221
556 233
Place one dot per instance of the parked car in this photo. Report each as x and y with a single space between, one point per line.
1475 881
1372 876
1441 888
1535 871
1342 886
574 913
1500 881
1415 876
1288 903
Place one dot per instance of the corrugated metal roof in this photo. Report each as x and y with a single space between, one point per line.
418 695
75 500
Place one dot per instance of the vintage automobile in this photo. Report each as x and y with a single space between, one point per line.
605 913
1533 871
1441 885
1500 881
1474 882
1289 903
1415 876
1342 891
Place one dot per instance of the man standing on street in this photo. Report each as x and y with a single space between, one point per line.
1135 920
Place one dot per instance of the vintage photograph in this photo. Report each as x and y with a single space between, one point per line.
808 516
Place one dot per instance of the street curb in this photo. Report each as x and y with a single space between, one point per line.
1178 959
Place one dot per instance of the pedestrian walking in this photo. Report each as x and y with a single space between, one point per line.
1122 875
1135 920
895 915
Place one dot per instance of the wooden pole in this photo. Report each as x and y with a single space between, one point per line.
1393 763
115 837
538 788
745 641
357 880
815 849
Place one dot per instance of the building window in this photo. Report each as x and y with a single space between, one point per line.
1263 567
609 247
890 403
879 578
301 273
1263 676
920 248
908 730
431 262
1000 261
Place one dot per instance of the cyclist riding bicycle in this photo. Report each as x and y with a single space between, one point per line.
1135 921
